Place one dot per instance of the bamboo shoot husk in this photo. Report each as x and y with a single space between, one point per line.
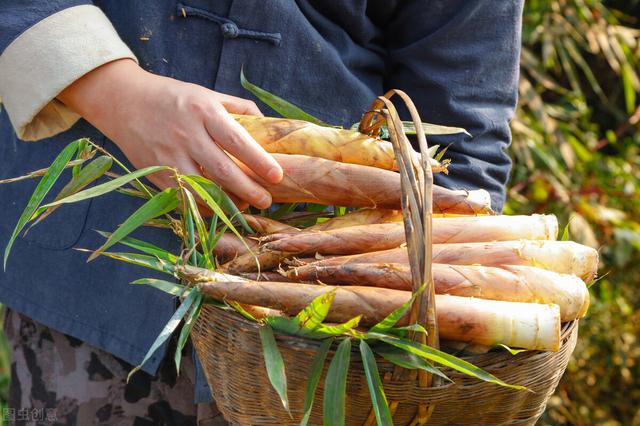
287 136
264 226
229 246
565 257
360 217
509 283
316 180
466 319
384 236
367 238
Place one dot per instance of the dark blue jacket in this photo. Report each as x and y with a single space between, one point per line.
457 59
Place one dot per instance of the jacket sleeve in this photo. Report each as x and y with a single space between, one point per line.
46 46
459 62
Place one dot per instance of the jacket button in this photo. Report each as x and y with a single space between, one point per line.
229 30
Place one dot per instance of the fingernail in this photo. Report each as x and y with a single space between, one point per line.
274 175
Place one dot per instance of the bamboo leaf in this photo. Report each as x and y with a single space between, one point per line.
315 312
84 177
442 358
161 203
376 390
406 360
168 329
315 371
140 260
213 205
172 288
238 307
510 350
101 189
284 324
44 186
222 198
402 331
335 386
432 129
338 329
203 234
145 247
390 320
275 365
279 105
186 330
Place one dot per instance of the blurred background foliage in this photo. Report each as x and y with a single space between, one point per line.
576 151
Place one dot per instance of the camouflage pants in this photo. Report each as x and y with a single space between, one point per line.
59 380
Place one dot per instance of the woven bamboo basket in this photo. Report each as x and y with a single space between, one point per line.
230 348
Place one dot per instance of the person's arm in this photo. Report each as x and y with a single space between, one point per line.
459 62
158 120
63 59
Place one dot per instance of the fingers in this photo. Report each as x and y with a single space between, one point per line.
239 106
220 168
236 140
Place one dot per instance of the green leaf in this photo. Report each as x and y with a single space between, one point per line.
511 351
275 365
406 359
213 205
186 330
565 233
315 312
376 390
432 129
335 385
442 358
627 85
315 371
238 307
168 329
145 247
141 260
203 233
390 320
284 324
44 186
222 198
103 188
279 105
402 331
84 177
172 288
161 203
338 329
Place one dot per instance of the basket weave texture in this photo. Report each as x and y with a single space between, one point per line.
231 353
230 347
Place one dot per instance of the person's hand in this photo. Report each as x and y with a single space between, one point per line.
158 120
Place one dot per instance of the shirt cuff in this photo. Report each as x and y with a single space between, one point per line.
47 58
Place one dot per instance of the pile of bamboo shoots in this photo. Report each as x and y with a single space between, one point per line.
498 279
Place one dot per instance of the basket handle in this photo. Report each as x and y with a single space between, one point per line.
416 178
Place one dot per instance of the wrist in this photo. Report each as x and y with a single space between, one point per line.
97 94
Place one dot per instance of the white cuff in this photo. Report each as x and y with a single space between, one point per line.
47 58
